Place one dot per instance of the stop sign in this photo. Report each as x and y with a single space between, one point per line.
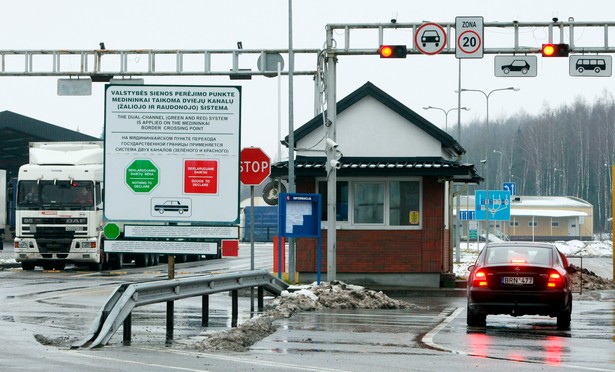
255 166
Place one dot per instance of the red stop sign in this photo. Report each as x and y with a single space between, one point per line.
255 166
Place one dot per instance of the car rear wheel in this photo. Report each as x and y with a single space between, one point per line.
476 319
563 319
28 266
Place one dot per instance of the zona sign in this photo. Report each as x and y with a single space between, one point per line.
255 166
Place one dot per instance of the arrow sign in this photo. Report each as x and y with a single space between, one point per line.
494 202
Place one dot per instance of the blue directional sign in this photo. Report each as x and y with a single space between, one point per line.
494 202
466 215
510 186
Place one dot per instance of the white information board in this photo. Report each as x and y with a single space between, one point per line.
589 65
516 66
172 153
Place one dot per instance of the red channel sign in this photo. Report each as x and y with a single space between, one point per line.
200 176
255 166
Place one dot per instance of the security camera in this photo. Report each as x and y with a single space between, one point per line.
331 143
335 164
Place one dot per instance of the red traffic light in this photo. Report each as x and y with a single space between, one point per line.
393 51
555 50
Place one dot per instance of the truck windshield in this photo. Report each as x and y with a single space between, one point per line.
55 195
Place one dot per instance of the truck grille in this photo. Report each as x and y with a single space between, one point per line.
53 239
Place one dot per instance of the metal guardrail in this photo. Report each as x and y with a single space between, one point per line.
118 309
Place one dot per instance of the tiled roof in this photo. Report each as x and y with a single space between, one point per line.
315 166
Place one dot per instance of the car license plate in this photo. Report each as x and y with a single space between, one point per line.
517 280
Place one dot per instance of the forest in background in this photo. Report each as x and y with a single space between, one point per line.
564 151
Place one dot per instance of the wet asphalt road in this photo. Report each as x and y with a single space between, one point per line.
432 337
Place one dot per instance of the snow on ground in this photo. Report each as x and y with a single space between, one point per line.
334 295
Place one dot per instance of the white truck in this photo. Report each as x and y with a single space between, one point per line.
59 206
59 211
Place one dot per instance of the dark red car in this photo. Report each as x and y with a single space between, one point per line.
520 278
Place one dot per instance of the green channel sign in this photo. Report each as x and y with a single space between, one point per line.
142 176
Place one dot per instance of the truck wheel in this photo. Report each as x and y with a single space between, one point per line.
155 259
96 266
28 266
116 261
181 258
142 260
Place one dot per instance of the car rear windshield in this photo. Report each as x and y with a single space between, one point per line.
518 255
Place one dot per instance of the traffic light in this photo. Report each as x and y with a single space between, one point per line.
393 51
555 50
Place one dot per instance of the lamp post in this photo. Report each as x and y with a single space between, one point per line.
487 95
484 163
445 113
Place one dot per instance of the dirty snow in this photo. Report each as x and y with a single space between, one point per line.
334 295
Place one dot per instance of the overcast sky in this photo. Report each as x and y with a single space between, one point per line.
417 81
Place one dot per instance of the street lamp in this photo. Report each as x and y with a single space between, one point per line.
487 95
484 163
445 113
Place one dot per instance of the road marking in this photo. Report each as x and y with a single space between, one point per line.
428 340
205 355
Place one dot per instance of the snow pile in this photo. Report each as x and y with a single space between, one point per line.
588 249
334 295
589 280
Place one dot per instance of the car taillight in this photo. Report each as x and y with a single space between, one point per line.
555 280
480 279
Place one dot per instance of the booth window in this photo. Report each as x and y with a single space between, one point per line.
384 203
369 202
341 206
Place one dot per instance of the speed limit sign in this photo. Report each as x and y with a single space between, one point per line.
469 36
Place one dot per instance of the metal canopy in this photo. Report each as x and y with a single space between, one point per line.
16 133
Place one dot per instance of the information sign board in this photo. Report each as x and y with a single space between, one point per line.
172 153
494 202
299 215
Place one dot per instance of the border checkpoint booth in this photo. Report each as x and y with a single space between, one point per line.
393 191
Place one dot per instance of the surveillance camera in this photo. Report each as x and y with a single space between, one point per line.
335 164
331 143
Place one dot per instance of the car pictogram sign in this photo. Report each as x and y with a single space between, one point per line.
430 38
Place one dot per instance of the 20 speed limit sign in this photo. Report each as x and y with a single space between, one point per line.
469 35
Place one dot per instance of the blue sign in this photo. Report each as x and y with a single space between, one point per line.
494 202
299 217
511 187
466 215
